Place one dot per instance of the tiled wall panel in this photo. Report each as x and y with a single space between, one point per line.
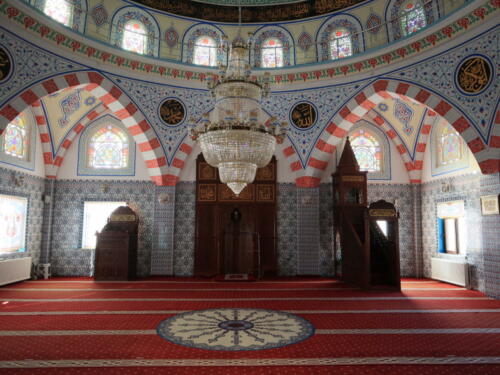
67 257
184 232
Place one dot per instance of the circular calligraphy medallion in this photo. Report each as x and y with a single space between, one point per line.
172 112
5 64
303 115
474 75
235 329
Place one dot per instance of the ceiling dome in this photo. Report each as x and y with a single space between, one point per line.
252 10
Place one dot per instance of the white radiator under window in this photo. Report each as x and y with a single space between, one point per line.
12 270
450 271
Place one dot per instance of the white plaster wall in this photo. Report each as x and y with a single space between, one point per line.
69 167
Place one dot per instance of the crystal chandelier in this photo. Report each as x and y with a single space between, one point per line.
234 138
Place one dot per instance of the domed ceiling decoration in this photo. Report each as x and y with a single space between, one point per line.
251 10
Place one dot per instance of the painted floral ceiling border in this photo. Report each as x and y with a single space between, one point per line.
481 13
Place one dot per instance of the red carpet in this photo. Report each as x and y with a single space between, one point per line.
77 326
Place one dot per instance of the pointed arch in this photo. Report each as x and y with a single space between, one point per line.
123 16
337 22
119 104
276 32
194 33
376 92
393 11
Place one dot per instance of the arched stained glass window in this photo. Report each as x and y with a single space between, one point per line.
16 138
340 44
367 151
59 10
205 51
135 37
108 149
412 16
450 146
272 53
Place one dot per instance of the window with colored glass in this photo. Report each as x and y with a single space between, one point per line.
367 150
340 44
272 53
205 51
134 37
108 149
412 17
450 146
16 138
59 10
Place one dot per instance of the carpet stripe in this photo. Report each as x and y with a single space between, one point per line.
203 290
240 299
428 331
331 281
349 361
154 312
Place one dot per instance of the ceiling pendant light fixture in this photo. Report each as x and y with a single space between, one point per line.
235 137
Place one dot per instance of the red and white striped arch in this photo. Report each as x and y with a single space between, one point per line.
377 92
43 130
119 105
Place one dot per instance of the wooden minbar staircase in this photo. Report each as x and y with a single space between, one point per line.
366 237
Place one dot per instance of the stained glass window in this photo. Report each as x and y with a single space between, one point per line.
205 51
367 151
60 10
412 17
272 53
134 37
340 44
108 149
450 146
16 138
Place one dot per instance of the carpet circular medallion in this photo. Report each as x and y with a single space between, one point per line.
235 329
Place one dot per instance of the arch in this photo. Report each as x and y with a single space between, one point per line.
376 92
93 128
78 13
278 32
196 31
126 14
382 138
393 21
339 21
119 105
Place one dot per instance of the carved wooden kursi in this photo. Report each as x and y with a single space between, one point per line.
116 250
215 207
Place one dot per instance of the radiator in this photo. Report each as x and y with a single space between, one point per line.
451 271
12 270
